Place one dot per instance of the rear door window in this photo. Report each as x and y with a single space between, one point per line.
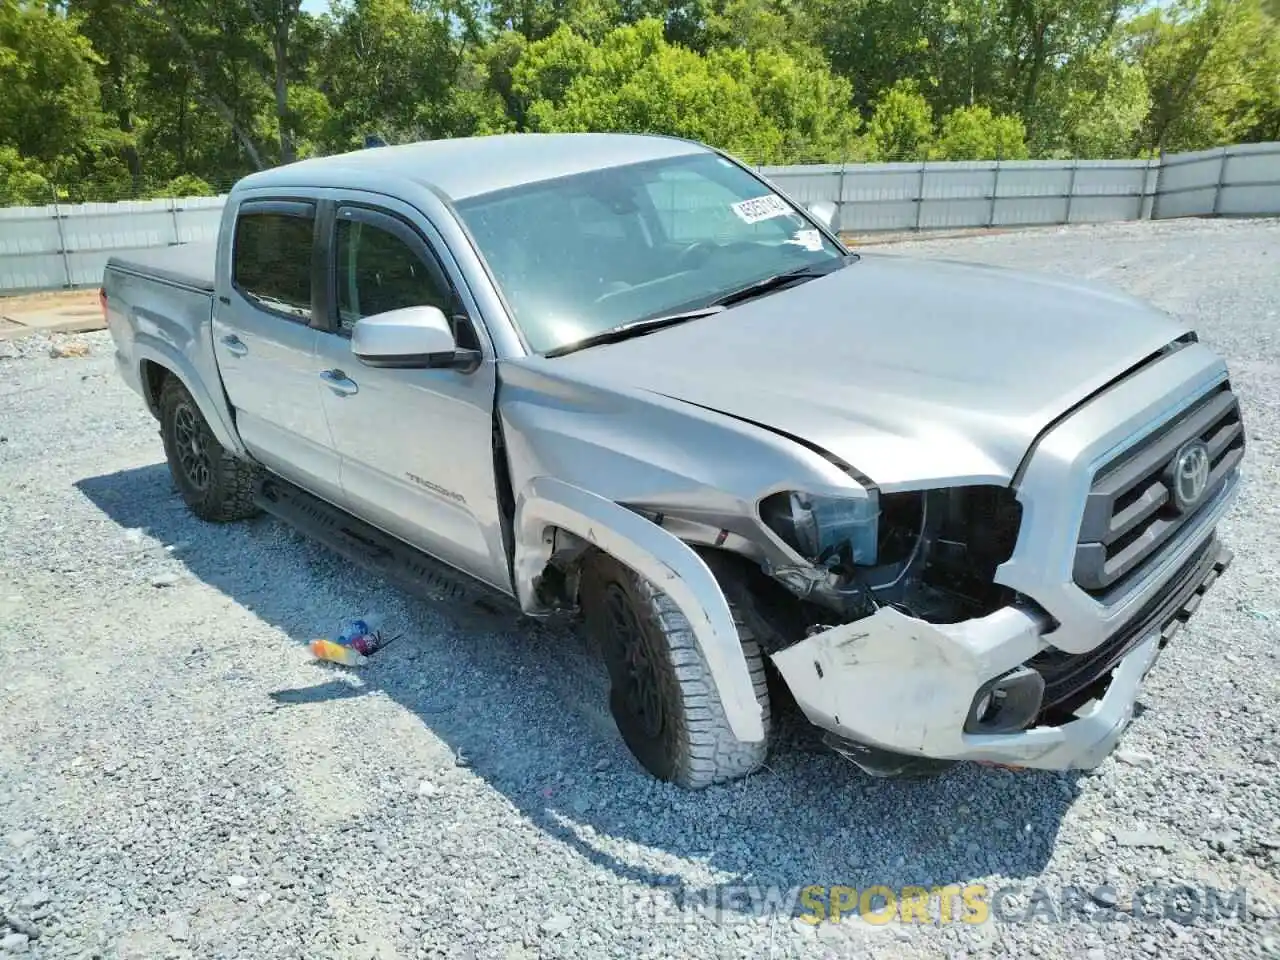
271 261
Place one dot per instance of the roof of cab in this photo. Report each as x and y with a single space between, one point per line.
469 166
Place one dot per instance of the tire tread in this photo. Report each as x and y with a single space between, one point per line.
233 482
711 753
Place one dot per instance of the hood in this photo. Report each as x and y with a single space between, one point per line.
913 371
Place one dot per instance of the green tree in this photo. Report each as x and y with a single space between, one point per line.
1007 55
874 43
1211 67
114 98
763 105
50 106
901 127
1257 111
22 181
547 69
497 60
246 56
1048 32
810 106
1093 107
635 81
975 133
538 19
752 25
123 42
186 186
389 67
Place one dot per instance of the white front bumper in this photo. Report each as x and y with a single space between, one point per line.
908 687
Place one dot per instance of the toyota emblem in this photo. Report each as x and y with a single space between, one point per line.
1190 475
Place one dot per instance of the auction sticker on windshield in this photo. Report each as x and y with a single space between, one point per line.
761 208
809 239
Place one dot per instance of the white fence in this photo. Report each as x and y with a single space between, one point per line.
67 245
59 246
932 196
1237 181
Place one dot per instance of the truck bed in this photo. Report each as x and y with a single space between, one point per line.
187 265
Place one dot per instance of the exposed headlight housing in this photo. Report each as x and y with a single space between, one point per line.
820 528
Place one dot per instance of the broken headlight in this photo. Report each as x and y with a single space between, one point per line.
825 529
932 554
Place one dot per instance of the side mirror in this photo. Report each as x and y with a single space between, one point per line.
410 338
824 211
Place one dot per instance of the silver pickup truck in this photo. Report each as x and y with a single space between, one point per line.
954 512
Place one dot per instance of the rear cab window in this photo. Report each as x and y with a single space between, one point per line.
271 262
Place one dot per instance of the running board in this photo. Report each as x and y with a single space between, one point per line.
380 553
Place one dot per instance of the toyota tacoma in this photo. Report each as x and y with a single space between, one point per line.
954 511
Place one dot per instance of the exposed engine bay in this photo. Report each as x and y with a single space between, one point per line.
931 555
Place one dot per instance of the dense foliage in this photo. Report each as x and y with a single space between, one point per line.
113 98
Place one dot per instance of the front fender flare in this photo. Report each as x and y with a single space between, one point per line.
667 562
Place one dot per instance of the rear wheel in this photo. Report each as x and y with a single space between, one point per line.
215 484
662 695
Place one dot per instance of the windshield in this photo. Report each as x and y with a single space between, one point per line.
582 254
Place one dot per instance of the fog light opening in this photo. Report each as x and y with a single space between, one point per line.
1006 704
986 710
987 706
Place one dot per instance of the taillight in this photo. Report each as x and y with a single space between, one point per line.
102 302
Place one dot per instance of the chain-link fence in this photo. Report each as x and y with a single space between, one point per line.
38 191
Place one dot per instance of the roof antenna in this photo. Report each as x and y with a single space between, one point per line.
373 140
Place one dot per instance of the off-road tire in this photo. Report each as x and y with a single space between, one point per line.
216 485
689 742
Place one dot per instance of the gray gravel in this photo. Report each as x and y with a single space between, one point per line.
178 779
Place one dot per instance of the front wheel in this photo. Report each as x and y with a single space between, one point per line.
662 695
215 484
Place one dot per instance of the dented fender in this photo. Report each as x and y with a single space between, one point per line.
545 503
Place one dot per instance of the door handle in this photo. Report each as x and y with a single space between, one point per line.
339 383
235 346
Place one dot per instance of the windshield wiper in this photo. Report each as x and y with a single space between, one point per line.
635 328
760 287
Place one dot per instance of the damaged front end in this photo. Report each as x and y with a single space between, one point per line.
928 554
900 571
916 657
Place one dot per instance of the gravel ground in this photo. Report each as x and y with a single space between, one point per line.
179 779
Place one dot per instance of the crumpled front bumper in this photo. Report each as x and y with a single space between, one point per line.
904 686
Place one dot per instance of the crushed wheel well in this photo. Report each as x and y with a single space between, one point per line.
557 584
787 618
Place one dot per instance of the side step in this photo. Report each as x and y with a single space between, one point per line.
379 552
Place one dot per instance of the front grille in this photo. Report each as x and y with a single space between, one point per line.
1132 510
